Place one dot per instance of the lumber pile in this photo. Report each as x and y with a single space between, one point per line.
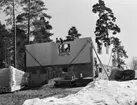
12 79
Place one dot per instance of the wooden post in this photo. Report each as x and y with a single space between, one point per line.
91 59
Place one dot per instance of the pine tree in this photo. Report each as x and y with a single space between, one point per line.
118 51
104 24
42 31
37 12
72 34
39 24
4 43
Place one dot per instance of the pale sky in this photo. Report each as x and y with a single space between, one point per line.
68 13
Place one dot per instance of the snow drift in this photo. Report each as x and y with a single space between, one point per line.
99 92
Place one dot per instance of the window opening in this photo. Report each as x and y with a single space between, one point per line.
64 49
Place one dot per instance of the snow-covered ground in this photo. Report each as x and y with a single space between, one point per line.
99 92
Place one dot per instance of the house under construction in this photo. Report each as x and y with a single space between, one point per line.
70 60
